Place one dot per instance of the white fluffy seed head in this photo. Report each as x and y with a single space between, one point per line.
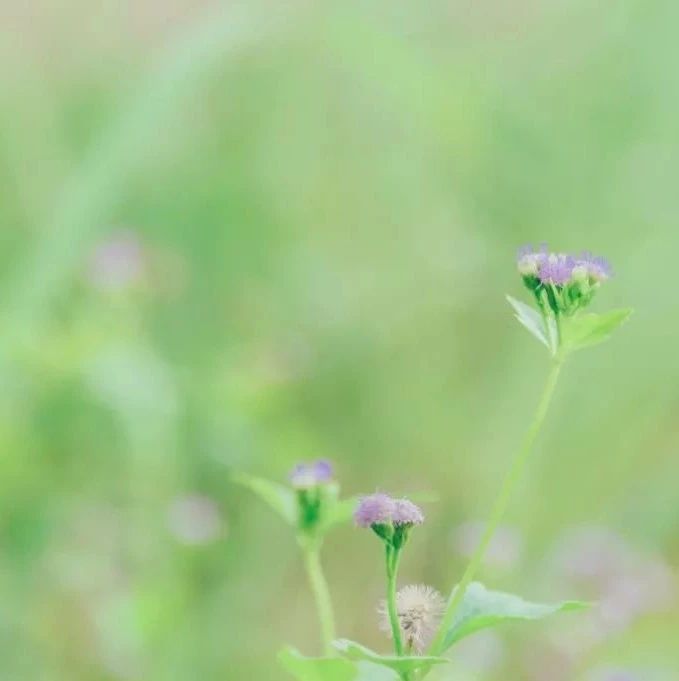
420 609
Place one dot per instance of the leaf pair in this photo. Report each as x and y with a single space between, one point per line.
577 332
283 500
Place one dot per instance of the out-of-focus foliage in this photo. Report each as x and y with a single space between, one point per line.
237 236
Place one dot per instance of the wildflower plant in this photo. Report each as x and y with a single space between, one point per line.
421 623
310 504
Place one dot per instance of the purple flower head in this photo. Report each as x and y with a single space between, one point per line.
375 509
407 513
594 267
381 509
557 269
306 475
529 260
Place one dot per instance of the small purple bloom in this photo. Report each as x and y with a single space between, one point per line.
375 509
381 509
407 513
529 260
306 475
593 266
556 269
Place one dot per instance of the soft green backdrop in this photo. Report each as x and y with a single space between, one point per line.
324 202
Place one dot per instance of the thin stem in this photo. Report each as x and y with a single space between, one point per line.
319 588
499 508
392 558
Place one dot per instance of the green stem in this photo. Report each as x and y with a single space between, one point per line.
499 508
559 331
319 588
392 558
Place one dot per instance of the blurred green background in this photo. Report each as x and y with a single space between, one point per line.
238 235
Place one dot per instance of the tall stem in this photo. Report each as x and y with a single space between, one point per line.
393 556
499 507
319 588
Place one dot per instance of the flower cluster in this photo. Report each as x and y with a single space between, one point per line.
307 475
381 509
420 609
561 282
391 519
316 491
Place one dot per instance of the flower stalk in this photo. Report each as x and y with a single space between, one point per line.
499 508
321 594
393 556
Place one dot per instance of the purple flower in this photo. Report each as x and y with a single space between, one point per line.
381 509
306 475
529 260
375 509
556 269
406 513
592 266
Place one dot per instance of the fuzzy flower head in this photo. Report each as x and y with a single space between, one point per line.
556 269
308 475
406 513
529 260
375 509
420 609
592 267
381 509
390 519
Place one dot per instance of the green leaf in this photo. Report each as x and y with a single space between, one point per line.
481 608
584 330
280 498
532 320
317 668
357 652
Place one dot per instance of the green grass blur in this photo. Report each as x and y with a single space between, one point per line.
322 202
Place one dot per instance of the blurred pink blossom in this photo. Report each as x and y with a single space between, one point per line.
117 263
195 519
505 548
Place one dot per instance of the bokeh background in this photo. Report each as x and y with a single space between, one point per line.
236 235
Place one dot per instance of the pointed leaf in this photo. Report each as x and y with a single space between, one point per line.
407 664
280 498
584 330
481 608
531 319
317 668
